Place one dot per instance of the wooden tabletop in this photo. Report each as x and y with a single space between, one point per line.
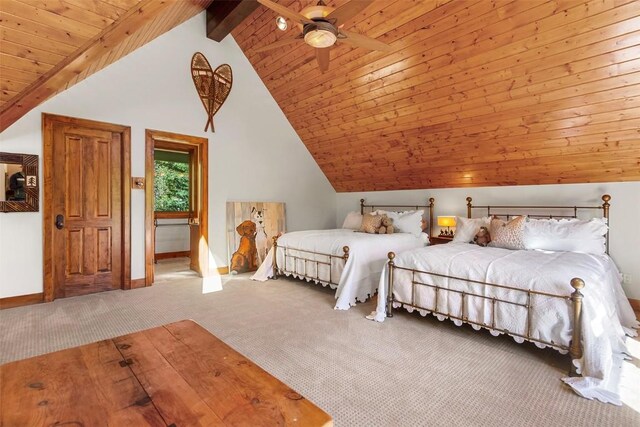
174 375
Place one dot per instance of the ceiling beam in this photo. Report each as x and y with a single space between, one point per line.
225 15
56 79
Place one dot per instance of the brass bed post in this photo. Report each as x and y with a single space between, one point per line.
345 249
605 213
431 205
274 262
361 206
469 207
576 339
391 256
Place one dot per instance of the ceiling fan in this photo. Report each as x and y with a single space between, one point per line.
321 28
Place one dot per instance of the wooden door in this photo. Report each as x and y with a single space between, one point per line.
86 210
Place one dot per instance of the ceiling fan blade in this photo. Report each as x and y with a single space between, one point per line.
294 16
322 55
278 44
349 10
363 41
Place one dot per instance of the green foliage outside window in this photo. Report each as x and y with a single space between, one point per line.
171 186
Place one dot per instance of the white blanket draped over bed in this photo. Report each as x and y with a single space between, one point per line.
607 315
358 278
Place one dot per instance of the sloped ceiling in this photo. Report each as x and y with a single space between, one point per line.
47 46
477 93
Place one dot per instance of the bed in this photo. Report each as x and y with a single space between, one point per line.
570 301
343 259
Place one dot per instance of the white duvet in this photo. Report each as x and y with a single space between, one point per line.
357 279
607 314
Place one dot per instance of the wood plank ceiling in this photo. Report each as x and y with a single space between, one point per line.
47 46
476 93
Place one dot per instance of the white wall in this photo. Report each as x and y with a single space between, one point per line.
255 155
624 215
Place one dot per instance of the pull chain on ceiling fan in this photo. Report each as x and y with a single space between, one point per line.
321 28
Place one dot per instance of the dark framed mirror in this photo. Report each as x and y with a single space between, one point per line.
19 182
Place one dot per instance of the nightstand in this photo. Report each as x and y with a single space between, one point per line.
438 240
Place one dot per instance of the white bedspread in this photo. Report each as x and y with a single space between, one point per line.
607 314
357 279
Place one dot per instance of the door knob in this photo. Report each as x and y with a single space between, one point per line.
59 222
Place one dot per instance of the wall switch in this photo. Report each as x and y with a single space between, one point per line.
626 279
137 182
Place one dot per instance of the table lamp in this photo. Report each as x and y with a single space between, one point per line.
446 221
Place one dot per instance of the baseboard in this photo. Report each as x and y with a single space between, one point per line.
223 270
138 283
21 300
168 255
635 304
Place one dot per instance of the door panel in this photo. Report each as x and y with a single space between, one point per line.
75 243
73 172
87 189
104 250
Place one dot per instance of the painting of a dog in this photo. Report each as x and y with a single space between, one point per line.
246 257
261 234
251 227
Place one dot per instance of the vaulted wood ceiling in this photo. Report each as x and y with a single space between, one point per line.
47 46
476 93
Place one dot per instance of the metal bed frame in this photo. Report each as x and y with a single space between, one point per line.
307 256
575 298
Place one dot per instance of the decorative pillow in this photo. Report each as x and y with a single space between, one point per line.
467 228
508 235
353 221
405 222
573 235
370 223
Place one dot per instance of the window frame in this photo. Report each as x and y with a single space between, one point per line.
192 199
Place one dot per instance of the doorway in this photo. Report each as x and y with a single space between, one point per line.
176 206
86 209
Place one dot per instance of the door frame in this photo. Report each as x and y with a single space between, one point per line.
48 121
200 146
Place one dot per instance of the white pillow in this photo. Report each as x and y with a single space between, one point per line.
353 221
405 222
467 228
572 235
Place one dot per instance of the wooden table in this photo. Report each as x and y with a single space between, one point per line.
174 375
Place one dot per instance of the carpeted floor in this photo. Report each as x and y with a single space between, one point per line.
407 371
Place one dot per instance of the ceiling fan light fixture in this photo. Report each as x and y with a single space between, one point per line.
320 38
320 34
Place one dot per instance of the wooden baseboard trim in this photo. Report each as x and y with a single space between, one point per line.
21 300
223 270
138 283
635 304
168 255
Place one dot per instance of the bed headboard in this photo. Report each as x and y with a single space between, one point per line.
562 211
428 212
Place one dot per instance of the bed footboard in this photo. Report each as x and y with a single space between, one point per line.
307 257
575 299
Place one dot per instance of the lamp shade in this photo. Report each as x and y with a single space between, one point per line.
446 221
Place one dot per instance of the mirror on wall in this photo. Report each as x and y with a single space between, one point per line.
19 183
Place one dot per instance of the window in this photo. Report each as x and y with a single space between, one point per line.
172 181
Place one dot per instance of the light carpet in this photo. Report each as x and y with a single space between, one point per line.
407 371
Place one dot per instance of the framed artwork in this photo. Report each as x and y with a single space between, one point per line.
19 190
251 227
